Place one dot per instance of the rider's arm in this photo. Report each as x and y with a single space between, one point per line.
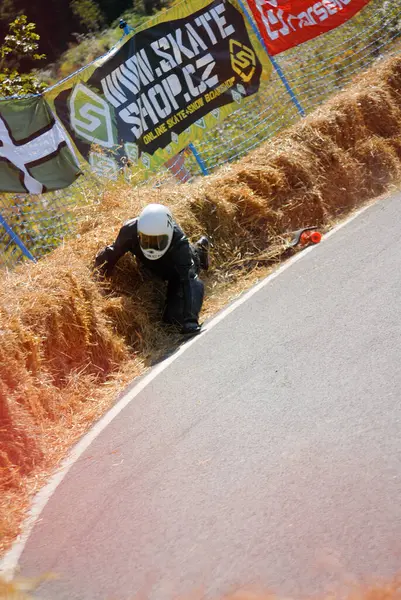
108 257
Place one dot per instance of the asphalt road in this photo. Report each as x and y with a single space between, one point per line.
267 454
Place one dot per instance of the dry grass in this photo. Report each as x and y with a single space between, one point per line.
70 342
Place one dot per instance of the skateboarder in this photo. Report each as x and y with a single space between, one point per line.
161 247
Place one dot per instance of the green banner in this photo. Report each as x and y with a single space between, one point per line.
164 87
35 154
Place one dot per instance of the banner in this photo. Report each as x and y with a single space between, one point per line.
284 24
35 154
165 87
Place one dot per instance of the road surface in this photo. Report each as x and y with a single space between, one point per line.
267 454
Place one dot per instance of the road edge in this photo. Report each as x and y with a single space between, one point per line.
9 563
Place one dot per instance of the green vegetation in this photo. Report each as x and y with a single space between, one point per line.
20 45
62 24
89 14
96 38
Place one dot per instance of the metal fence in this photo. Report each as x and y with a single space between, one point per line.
303 78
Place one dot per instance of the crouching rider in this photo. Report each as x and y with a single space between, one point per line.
162 248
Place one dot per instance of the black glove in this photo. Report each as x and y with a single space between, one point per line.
190 328
101 265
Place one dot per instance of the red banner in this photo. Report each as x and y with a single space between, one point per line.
288 23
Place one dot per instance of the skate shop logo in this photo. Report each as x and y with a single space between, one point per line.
279 22
91 117
243 60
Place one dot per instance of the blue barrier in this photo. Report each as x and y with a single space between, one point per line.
16 239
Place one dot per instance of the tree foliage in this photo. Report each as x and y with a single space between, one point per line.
20 45
57 23
89 14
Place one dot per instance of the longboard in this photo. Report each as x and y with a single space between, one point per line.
305 237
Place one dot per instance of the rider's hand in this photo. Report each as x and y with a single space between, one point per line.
101 265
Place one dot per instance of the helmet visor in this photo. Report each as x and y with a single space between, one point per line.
153 242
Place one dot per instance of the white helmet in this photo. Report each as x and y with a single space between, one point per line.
155 230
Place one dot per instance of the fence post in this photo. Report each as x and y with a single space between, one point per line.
273 60
17 240
199 159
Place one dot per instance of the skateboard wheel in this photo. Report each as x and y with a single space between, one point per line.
310 237
316 237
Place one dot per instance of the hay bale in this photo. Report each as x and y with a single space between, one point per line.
380 164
